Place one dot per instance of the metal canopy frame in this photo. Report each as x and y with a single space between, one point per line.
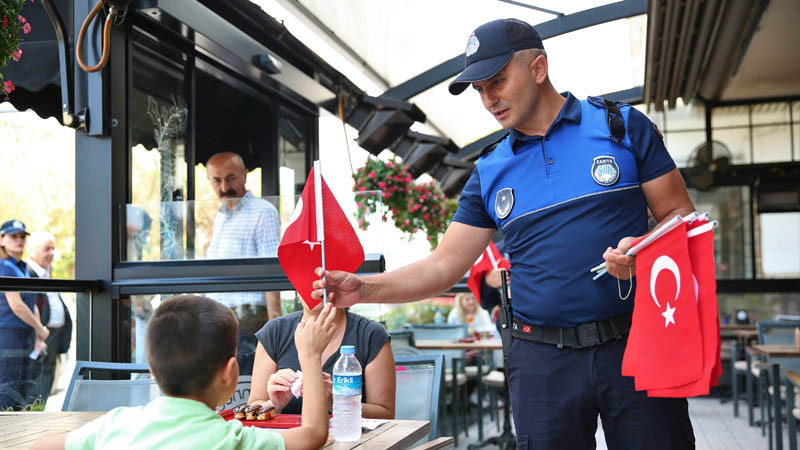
560 25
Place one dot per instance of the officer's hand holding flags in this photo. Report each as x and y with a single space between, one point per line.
674 343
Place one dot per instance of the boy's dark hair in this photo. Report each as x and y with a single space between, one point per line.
189 338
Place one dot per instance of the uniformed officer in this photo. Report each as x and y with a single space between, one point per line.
571 178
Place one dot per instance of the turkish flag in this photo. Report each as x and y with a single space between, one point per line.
701 253
300 250
489 260
667 340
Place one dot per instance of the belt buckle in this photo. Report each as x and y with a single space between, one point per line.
588 334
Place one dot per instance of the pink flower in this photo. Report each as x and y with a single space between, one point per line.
359 204
388 176
16 54
426 217
8 86
382 185
26 28
393 188
372 174
384 218
362 189
360 222
408 178
414 230
21 19
385 195
406 222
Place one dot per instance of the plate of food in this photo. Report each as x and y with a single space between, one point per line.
262 416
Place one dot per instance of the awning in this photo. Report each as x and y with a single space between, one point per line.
37 75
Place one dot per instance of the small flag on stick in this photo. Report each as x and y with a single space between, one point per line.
318 235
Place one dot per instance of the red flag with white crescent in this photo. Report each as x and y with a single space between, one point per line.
701 252
300 250
667 338
489 260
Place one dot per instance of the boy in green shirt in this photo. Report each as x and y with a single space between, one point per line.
191 348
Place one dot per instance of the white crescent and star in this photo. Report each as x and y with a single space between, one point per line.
664 262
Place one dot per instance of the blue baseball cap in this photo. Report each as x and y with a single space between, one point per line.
13 227
490 47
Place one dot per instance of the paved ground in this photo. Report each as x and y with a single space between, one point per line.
714 426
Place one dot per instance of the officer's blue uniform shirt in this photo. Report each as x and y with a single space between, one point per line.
561 200
12 268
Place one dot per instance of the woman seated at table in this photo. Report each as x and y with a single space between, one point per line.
469 312
276 364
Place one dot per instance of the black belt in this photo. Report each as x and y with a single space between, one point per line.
582 336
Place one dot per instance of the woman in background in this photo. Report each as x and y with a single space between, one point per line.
20 326
469 312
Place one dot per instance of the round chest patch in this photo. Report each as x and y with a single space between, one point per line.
605 170
503 202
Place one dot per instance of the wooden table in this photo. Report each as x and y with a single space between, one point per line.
21 429
774 351
735 327
481 344
745 335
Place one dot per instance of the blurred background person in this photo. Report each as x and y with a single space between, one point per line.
53 314
245 227
468 311
20 327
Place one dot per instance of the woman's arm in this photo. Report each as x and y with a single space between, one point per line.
381 393
21 310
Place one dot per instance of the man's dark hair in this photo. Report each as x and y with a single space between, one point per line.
189 338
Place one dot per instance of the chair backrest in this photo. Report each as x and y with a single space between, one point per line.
403 350
446 332
105 395
776 331
404 338
418 392
453 331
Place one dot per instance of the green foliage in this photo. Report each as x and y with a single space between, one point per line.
36 406
38 188
11 23
417 312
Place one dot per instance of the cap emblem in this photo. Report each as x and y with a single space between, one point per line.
472 45
18 224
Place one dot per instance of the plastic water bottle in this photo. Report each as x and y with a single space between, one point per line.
347 396
438 317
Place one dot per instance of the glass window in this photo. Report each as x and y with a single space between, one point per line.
682 145
771 143
770 113
159 118
293 147
730 116
730 206
249 307
686 117
778 252
737 141
201 219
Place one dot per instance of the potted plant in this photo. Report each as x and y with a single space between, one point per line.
414 207
12 23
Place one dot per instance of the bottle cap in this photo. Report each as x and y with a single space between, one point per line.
347 350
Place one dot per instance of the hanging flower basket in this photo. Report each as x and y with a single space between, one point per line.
11 23
414 207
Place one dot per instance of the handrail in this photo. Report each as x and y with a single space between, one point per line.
50 285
